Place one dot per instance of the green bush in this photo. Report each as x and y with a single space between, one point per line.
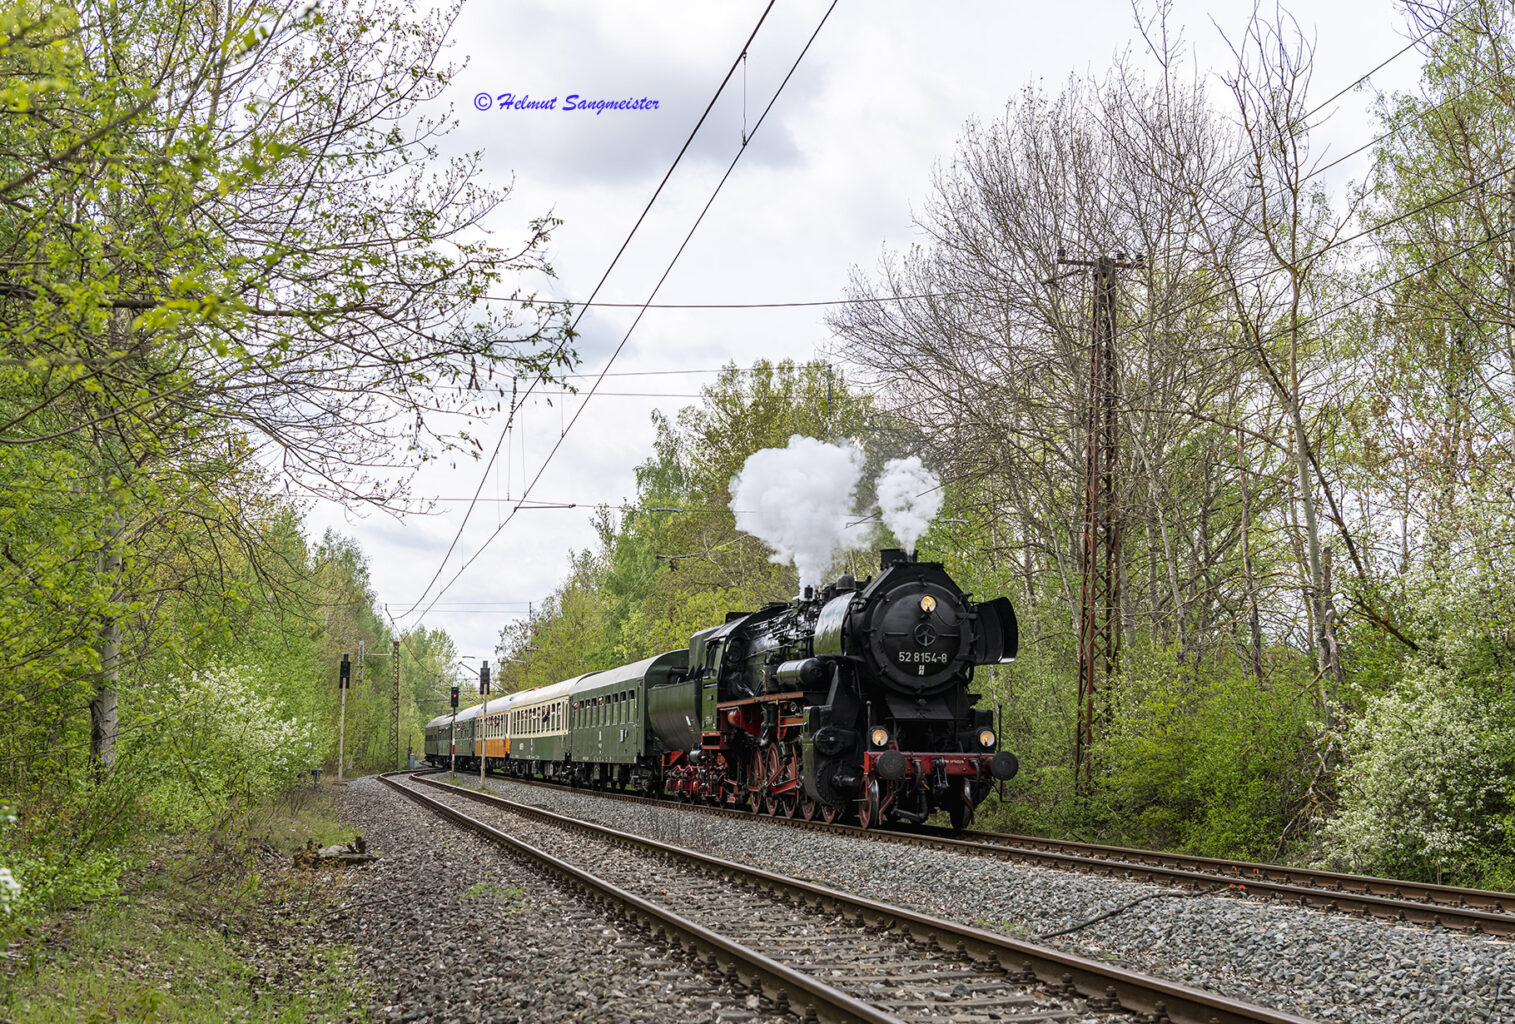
217 740
1201 757
1428 784
1198 757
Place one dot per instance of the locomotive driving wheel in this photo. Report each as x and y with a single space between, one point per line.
773 765
751 798
789 801
829 813
808 807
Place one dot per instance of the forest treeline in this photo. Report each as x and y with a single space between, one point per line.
234 274
1316 399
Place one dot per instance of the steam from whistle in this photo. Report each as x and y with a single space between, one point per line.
909 497
797 500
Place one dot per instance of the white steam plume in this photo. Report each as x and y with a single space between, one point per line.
909 497
796 500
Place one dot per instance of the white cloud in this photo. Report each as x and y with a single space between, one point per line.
849 151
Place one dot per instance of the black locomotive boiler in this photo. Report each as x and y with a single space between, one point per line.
853 700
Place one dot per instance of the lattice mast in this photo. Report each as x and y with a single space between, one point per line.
1099 622
394 709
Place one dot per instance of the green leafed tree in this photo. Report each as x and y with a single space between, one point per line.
230 249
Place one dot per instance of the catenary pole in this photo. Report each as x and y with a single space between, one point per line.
394 709
344 677
1099 622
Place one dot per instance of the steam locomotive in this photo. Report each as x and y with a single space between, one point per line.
850 702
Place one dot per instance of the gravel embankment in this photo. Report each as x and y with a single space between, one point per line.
886 968
448 928
1313 963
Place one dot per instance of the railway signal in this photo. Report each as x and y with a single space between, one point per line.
479 727
453 743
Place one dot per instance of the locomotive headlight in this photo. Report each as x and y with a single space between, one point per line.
928 603
986 738
879 737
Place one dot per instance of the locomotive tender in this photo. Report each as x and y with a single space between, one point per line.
852 701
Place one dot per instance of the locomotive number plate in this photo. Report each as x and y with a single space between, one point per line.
923 658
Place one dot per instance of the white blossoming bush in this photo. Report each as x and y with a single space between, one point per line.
10 889
222 739
1428 768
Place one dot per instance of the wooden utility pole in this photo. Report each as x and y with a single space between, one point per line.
1100 618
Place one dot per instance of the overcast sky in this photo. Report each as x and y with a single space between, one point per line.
830 181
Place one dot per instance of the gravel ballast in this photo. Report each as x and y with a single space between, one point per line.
1314 963
445 927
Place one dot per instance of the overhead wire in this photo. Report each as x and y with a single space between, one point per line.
570 333
1263 275
643 307
668 270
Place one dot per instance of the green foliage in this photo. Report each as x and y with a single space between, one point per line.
1429 787
675 563
190 939
1202 758
217 737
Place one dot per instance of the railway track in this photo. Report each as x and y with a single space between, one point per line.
1476 911
822 953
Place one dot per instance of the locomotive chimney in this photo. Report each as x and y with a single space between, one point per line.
892 556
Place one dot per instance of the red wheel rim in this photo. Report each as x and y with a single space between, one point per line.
772 763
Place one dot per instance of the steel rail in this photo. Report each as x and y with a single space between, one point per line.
1425 892
829 1003
1102 984
1320 889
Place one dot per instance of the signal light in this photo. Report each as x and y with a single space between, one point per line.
484 679
344 673
455 696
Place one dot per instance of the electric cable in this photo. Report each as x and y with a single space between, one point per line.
668 270
572 328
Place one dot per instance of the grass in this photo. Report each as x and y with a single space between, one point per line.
489 889
214 928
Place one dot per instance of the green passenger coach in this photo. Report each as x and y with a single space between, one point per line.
539 728
607 716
